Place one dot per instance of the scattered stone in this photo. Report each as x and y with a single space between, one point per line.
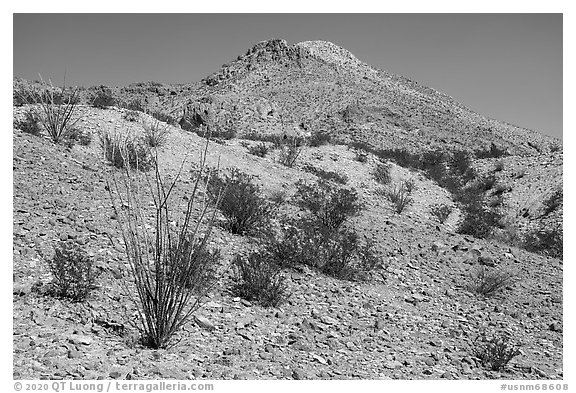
204 323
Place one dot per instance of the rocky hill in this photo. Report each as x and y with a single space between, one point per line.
415 316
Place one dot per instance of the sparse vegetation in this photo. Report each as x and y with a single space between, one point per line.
492 152
259 280
442 212
155 134
74 271
289 152
382 173
553 202
30 124
499 166
246 211
259 150
400 197
58 109
360 156
131 116
547 240
103 98
329 204
326 175
121 149
489 282
319 138
496 352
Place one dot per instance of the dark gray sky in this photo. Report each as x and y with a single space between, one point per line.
505 66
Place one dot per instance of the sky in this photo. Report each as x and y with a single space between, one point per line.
504 66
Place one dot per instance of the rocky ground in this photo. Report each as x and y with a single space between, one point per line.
415 318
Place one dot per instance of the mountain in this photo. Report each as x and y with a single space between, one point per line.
416 314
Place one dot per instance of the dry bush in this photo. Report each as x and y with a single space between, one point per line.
382 173
73 270
172 270
58 108
400 197
126 150
247 212
494 353
155 133
442 212
259 150
289 152
259 280
30 124
489 282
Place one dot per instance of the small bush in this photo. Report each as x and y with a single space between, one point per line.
553 201
330 204
488 283
499 166
73 270
382 173
326 175
494 353
360 156
289 152
58 109
246 211
318 139
492 152
131 115
77 136
103 98
546 240
259 280
155 134
30 124
442 212
278 197
164 117
259 150
134 105
215 133
400 197
120 150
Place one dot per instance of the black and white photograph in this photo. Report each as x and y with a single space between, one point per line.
205 197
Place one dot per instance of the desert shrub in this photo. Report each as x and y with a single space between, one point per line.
215 133
554 147
360 156
499 166
134 105
155 134
131 115
171 270
496 352
400 197
73 270
289 152
326 175
120 150
382 174
30 124
246 211
489 282
77 136
442 212
103 98
58 109
259 280
330 204
319 138
553 201
278 197
256 136
479 220
545 240
492 152
259 150
164 117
